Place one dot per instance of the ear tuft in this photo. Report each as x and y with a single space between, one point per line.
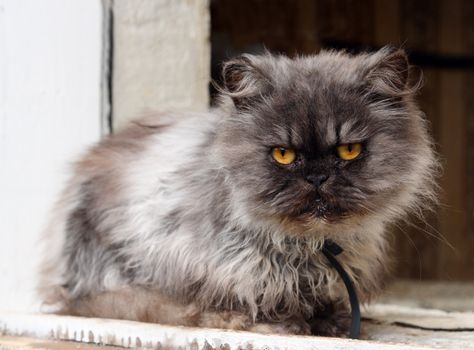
390 74
242 79
235 72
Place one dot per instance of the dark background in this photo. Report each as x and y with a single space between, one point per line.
439 38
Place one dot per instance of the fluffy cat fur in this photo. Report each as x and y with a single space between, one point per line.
186 219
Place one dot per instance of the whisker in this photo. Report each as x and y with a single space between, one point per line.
438 235
407 235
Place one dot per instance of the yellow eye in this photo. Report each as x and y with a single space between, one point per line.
283 155
349 151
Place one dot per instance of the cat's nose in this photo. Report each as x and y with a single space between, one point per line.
317 180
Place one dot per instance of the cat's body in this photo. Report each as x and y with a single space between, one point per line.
177 220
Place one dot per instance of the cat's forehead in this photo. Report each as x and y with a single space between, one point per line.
318 116
324 68
323 100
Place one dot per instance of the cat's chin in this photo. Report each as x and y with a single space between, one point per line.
324 213
309 226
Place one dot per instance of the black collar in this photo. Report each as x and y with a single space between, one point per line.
330 251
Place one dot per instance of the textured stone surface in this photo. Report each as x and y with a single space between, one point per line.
448 296
161 57
421 338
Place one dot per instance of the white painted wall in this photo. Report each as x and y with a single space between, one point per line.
50 58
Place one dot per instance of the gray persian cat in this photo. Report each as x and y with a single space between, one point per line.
218 219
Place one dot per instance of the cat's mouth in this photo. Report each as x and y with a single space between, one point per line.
320 208
317 205
324 207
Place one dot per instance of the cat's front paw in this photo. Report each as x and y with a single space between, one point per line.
291 326
225 320
334 325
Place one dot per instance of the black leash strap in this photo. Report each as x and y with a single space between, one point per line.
330 251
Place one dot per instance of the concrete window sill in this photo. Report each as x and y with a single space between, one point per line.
384 327
410 315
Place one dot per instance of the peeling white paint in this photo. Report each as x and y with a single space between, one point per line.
134 334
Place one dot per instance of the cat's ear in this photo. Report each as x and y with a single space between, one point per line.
389 74
243 80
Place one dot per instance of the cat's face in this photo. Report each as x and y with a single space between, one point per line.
326 138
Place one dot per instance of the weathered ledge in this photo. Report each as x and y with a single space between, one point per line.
384 327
